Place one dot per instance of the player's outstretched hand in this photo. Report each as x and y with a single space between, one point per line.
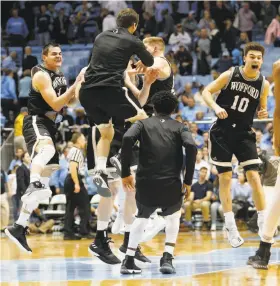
140 67
151 75
221 113
262 114
128 184
140 115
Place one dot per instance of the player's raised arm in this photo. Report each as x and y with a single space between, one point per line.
215 87
42 82
276 118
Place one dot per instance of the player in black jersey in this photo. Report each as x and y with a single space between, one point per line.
48 95
262 256
242 89
101 94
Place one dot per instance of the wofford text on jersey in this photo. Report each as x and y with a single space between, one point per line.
246 88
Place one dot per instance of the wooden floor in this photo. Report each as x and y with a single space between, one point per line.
202 258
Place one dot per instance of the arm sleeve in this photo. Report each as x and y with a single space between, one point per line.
191 152
141 51
129 139
20 182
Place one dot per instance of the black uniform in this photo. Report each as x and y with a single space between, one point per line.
37 125
158 181
101 94
159 85
234 135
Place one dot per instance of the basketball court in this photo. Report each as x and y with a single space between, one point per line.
201 258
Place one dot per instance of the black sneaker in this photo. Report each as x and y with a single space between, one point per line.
71 236
129 267
166 266
36 191
260 261
17 234
101 249
100 179
116 162
87 235
138 254
252 259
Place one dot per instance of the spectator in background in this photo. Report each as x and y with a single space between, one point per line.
245 20
3 119
64 125
242 41
183 8
205 22
12 182
24 88
178 80
19 142
8 93
9 63
219 14
190 112
84 6
148 6
272 34
43 25
23 176
260 142
17 159
183 102
65 6
188 90
179 118
149 25
190 24
168 25
16 29
268 12
205 136
224 63
206 7
60 27
200 163
185 60
109 21
216 40
203 53
114 6
199 198
4 204
216 208
29 61
229 35
198 96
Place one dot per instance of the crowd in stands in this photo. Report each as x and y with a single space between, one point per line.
193 31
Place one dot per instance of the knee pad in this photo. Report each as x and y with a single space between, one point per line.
44 155
49 169
221 169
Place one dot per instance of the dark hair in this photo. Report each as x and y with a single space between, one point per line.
46 48
253 46
127 17
164 102
76 136
22 156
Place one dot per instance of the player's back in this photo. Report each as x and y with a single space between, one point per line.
36 103
110 56
240 98
160 154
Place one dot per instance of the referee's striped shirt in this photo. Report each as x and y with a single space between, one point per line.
76 155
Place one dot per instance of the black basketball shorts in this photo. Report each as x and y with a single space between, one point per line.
35 128
226 141
103 103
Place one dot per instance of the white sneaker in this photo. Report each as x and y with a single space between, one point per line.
234 237
118 224
153 228
213 227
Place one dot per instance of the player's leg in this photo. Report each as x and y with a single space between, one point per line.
220 155
137 230
39 135
261 259
247 156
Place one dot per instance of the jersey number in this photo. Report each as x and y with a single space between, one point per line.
242 105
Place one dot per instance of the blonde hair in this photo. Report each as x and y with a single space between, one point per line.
155 41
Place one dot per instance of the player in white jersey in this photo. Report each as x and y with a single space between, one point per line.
262 256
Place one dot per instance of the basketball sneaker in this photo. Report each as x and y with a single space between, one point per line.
116 162
129 267
101 249
17 233
36 192
166 266
100 179
261 261
234 237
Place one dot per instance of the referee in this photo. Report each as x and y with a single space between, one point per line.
101 93
75 191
